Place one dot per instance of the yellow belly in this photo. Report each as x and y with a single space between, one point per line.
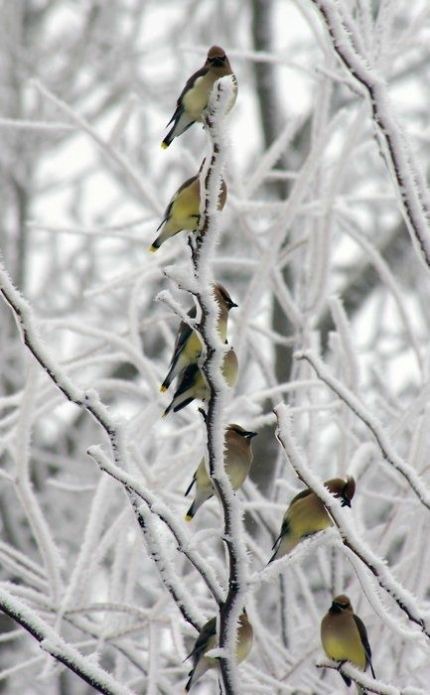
196 99
345 649
305 521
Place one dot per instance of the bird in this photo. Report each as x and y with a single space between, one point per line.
194 97
237 462
192 383
183 211
344 636
188 345
208 640
307 514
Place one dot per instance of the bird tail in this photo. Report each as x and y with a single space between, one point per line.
273 557
189 681
189 516
166 383
169 408
181 122
187 492
173 371
283 545
155 244
347 679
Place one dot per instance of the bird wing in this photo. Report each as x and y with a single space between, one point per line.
300 495
188 379
167 212
184 333
286 520
284 530
208 630
365 642
190 82
188 85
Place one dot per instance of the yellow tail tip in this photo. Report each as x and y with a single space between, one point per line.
188 517
164 145
152 248
163 388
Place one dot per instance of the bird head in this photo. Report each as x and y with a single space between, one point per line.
223 298
341 604
216 57
238 430
343 490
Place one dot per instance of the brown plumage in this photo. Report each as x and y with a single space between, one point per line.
195 96
183 211
237 463
208 640
307 514
344 636
188 345
192 383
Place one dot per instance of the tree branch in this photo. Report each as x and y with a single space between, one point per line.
211 367
409 181
378 567
389 454
54 645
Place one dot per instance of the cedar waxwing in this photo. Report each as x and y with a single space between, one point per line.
188 345
194 97
306 515
344 636
237 462
193 384
183 211
208 640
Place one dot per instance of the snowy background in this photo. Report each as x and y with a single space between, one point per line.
324 244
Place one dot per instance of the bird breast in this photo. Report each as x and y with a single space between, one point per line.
196 99
341 640
308 516
245 637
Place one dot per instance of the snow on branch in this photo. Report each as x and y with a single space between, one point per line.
120 162
89 399
164 513
373 425
202 254
377 566
397 149
51 643
366 682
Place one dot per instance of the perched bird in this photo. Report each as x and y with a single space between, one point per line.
306 515
188 345
208 640
237 462
344 636
183 211
193 384
195 95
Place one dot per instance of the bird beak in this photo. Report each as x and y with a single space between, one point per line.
345 502
251 435
232 305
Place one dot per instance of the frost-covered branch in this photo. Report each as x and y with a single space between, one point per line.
409 180
378 567
88 400
207 237
368 684
374 426
161 510
54 645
